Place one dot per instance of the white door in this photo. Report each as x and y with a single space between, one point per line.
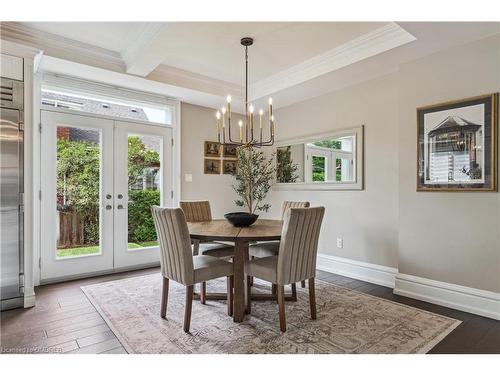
142 179
76 188
99 179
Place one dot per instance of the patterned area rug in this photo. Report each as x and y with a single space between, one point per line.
348 321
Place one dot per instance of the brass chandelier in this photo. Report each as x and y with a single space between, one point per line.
249 133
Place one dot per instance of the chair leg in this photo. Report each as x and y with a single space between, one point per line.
203 293
281 306
312 298
274 292
189 305
251 277
230 286
303 284
164 298
249 294
294 292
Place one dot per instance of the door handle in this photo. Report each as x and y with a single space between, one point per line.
120 207
109 207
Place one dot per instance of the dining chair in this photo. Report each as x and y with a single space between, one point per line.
296 258
179 264
270 248
196 211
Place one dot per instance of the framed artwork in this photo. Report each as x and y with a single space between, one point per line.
457 145
212 149
229 166
229 151
211 166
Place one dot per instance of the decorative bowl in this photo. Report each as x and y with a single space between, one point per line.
241 219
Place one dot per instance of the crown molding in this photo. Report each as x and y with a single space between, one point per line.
370 44
180 77
61 47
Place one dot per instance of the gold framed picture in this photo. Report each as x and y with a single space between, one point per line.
230 151
457 145
212 166
229 166
212 149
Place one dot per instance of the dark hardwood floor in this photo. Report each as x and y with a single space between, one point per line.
65 321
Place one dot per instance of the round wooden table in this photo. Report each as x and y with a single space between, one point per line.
222 230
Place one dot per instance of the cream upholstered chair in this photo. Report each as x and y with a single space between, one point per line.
196 211
296 259
179 264
270 248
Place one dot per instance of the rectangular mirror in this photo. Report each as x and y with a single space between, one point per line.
332 161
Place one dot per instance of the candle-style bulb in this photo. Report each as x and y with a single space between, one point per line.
251 108
261 112
240 123
217 115
270 101
228 98
272 118
223 110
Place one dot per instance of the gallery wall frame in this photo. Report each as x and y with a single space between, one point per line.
457 145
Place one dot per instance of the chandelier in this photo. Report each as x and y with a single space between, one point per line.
250 134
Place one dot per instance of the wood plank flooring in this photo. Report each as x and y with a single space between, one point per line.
64 321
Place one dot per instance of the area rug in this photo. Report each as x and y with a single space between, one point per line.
348 321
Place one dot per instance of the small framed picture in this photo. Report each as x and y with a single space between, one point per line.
229 151
211 166
212 149
229 166
457 145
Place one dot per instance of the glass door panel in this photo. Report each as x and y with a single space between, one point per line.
142 180
144 188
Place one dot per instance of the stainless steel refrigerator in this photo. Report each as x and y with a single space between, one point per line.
11 193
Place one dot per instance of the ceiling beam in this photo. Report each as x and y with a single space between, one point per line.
148 50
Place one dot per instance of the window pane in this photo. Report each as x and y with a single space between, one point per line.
318 168
144 181
78 186
106 106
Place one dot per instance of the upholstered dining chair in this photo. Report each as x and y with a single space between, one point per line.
196 211
270 248
296 259
179 264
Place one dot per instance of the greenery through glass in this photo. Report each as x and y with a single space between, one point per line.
318 168
78 201
286 169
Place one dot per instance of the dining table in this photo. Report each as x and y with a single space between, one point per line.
222 230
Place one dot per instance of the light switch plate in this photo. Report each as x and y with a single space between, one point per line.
340 242
188 177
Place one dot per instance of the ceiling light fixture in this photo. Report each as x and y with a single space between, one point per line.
249 135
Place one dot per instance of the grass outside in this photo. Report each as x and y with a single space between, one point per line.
89 250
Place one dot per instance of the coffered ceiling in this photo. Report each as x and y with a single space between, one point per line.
291 60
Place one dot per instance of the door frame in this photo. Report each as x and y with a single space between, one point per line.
37 167
103 261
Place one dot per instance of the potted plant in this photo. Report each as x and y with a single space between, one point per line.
253 181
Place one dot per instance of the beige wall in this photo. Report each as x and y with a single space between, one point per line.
367 220
450 237
198 126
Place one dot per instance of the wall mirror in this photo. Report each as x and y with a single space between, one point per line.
330 161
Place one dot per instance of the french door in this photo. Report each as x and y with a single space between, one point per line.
99 179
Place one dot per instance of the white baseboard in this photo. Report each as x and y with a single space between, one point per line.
29 301
369 272
476 301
